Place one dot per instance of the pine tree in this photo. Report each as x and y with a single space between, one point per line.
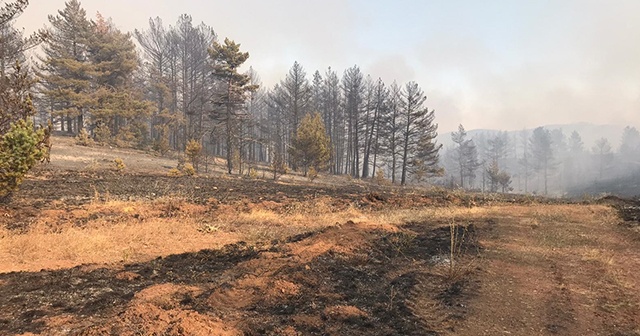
66 71
575 146
419 148
155 44
353 87
311 147
497 149
465 155
317 98
542 154
603 154
293 99
21 145
425 163
392 129
630 145
498 178
333 116
297 94
574 160
525 160
116 103
12 43
229 101
377 103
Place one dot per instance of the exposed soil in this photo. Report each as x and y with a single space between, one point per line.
344 280
546 272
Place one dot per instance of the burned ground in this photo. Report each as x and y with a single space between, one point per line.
363 291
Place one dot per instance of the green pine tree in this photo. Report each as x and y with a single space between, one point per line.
21 145
230 101
311 146
115 101
66 71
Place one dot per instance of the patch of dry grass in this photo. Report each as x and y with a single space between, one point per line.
123 242
112 231
108 231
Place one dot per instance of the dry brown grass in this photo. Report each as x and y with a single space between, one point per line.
108 231
120 231
123 242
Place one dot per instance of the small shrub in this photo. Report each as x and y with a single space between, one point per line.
175 172
162 145
102 134
20 149
253 173
84 139
380 179
188 169
312 174
119 165
181 162
193 151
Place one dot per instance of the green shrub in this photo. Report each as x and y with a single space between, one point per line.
20 150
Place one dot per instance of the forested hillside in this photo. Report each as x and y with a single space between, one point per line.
164 85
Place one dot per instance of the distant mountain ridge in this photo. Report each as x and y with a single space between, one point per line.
589 133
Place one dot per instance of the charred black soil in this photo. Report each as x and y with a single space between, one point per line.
367 292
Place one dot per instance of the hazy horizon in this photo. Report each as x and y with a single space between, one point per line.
494 65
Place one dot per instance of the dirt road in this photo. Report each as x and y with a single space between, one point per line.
557 271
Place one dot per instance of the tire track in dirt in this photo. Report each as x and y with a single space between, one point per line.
551 270
560 313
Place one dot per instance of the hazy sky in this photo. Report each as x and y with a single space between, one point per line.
487 64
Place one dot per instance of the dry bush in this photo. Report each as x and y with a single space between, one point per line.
119 165
193 151
312 174
188 169
84 139
253 173
102 134
113 231
380 179
174 172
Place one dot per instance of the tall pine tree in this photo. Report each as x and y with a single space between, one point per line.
66 71
235 87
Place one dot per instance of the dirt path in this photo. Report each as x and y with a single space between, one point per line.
551 274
